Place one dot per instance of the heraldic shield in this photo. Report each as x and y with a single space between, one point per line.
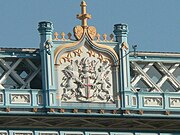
86 72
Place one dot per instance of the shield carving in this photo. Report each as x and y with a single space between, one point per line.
87 80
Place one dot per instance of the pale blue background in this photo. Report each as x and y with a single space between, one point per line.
154 25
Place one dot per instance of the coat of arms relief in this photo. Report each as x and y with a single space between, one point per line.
86 76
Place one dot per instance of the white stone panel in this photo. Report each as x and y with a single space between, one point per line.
152 101
174 102
20 98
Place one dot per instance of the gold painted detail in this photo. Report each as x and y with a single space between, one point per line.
35 109
108 48
84 29
60 48
98 37
51 110
91 53
70 55
63 36
78 32
62 110
77 52
8 109
88 32
105 36
56 36
75 110
83 16
124 46
92 32
66 58
100 56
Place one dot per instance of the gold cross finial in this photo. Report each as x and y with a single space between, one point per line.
83 16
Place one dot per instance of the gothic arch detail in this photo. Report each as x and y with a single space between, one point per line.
87 71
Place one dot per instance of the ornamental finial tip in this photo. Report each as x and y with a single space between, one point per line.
83 3
83 16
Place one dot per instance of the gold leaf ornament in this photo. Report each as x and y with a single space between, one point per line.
92 32
78 32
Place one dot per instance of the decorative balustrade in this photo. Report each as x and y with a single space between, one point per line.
155 83
15 98
67 37
157 101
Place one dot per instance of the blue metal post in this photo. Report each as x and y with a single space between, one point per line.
45 29
121 33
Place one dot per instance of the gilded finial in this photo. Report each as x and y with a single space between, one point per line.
56 36
69 35
63 36
105 36
83 16
111 37
98 37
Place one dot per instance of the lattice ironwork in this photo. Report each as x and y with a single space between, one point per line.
20 73
89 123
155 76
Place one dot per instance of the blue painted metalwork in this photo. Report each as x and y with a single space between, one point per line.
146 94
45 29
121 32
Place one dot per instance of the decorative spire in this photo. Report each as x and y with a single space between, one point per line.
83 16
90 31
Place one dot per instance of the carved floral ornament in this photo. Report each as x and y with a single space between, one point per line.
79 31
70 55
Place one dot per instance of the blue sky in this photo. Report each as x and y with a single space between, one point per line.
154 25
